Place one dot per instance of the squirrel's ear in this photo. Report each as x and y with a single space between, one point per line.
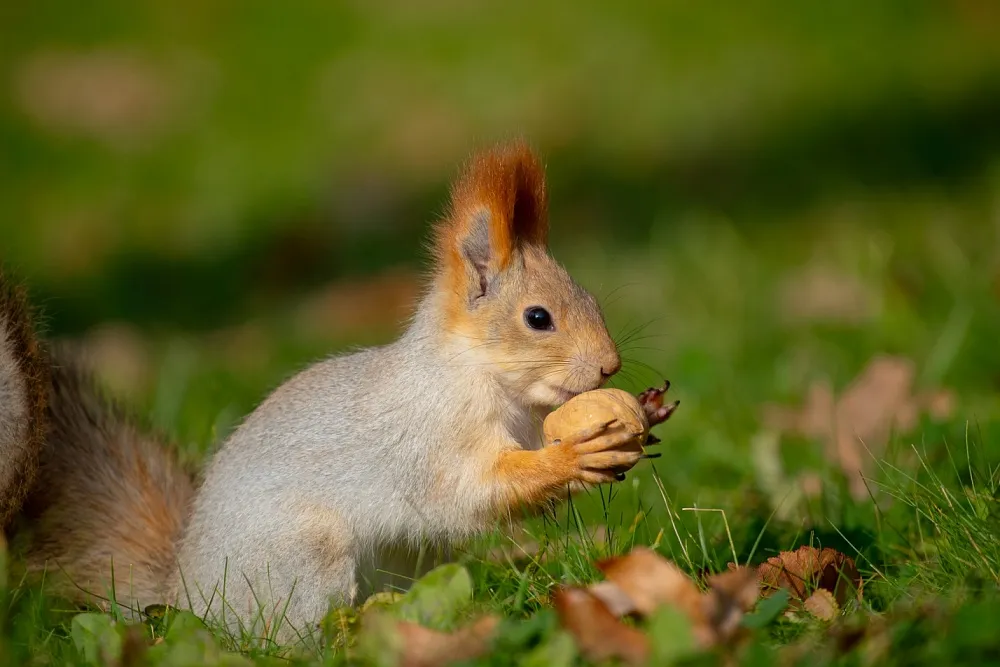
498 204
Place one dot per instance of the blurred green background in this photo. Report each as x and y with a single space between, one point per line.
211 194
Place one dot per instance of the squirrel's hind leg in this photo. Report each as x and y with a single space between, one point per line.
284 576
330 584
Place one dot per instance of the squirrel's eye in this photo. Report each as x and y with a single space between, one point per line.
538 318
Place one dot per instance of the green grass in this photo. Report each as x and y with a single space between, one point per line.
701 305
701 162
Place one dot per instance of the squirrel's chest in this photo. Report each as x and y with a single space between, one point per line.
525 428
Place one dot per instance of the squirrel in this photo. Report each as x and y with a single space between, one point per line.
23 400
84 488
335 484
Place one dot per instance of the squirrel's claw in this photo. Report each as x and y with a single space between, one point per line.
653 393
662 414
652 403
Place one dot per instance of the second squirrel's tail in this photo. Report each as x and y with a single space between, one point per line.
23 394
108 505
104 509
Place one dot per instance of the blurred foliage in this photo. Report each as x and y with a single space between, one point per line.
210 194
187 163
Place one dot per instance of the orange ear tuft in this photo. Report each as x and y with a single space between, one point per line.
498 203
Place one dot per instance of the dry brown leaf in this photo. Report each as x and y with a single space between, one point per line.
118 355
981 16
811 484
641 582
808 569
598 633
426 648
114 96
939 404
879 400
422 647
134 647
342 308
731 595
650 581
820 294
822 605
738 584
614 598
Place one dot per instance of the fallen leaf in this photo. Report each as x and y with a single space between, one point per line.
650 581
879 400
940 403
598 633
119 355
413 645
981 16
811 484
731 595
430 647
808 569
614 598
820 294
822 605
114 96
343 308
134 647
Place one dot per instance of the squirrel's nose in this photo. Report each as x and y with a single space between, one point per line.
609 368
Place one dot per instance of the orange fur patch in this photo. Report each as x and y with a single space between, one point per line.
155 527
526 478
508 182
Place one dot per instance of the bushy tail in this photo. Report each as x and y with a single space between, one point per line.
23 394
105 496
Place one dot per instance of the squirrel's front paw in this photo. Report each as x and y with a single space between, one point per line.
651 401
599 454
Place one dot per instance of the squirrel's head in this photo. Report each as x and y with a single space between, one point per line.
507 303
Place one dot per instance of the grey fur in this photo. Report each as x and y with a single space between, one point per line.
13 410
332 481
331 485
23 377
